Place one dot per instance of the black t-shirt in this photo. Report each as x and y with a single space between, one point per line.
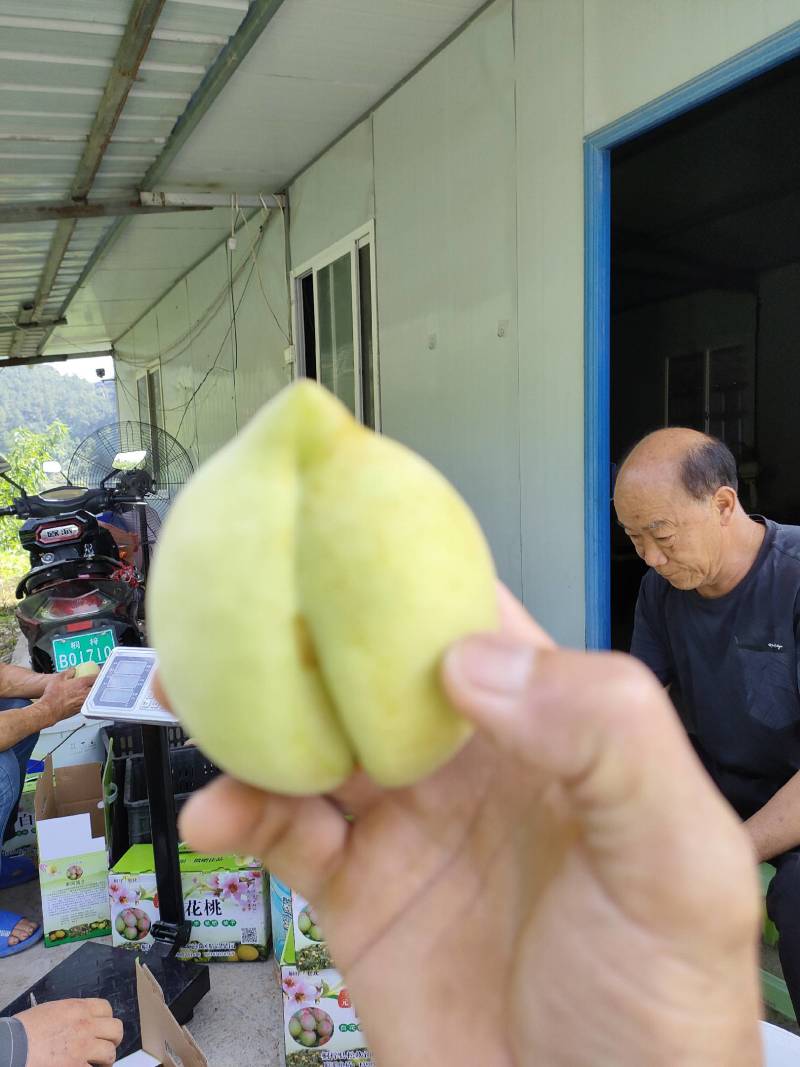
733 665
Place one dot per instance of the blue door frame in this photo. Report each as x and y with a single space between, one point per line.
597 298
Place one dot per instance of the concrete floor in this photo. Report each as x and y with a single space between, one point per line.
239 1021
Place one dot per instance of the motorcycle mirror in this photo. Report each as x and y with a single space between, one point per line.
5 466
51 466
128 461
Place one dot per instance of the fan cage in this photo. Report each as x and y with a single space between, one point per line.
166 460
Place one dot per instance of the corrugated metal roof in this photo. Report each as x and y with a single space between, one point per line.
55 61
319 66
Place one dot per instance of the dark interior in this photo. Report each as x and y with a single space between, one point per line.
705 325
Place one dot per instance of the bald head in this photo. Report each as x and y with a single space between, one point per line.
676 499
679 458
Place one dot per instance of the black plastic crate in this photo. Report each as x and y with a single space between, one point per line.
128 739
190 772
125 741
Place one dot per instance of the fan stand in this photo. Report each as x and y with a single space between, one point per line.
101 971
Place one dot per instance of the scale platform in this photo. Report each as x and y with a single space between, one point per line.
101 971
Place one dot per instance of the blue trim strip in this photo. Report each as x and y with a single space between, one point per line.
597 297
597 377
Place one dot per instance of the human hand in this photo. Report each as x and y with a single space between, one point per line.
64 694
570 889
71 1033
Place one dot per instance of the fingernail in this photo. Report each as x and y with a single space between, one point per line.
491 664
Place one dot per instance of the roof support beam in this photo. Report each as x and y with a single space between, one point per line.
67 211
192 198
23 319
59 357
25 326
135 41
258 17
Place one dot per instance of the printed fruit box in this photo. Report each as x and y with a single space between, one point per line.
72 834
280 900
310 950
223 898
320 1025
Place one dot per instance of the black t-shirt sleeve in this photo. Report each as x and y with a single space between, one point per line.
649 643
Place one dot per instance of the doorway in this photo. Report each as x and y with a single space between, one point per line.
692 259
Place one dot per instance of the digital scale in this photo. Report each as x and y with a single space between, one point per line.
123 690
123 693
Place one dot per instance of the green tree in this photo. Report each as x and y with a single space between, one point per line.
35 397
27 452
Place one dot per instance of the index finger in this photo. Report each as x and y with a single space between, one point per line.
517 623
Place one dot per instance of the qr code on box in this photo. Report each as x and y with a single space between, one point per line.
249 935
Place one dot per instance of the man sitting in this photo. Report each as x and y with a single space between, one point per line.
29 702
718 620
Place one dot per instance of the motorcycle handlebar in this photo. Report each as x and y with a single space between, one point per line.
94 500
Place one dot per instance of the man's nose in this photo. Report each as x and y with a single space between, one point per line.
654 557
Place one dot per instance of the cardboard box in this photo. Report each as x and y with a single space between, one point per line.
224 899
72 741
320 1024
280 901
71 832
23 843
310 948
164 1041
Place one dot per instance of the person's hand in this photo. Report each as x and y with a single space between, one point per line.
71 1033
64 694
570 889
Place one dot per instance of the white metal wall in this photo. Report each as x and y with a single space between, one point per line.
205 416
473 172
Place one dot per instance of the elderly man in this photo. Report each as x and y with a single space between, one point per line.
718 620
55 697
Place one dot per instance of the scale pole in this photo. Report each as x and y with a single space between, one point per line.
172 928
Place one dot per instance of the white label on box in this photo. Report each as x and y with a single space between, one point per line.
67 835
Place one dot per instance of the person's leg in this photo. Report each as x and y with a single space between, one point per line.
13 765
783 907
21 752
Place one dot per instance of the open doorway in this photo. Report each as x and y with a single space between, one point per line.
705 296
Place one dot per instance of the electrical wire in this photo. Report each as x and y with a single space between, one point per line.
205 377
261 280
235 342
196 329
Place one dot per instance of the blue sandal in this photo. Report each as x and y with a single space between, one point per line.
8 920
16 870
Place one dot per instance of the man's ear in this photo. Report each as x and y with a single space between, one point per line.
725 501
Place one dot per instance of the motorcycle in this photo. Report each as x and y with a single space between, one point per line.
84 593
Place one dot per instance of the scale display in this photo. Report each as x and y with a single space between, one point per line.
123 690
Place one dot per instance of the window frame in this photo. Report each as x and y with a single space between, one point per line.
155 402
349 245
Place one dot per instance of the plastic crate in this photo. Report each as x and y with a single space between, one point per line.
128 739
125 741
190 772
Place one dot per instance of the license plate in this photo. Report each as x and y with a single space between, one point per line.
94 647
